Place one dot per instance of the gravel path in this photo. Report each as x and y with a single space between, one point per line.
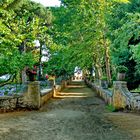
76 114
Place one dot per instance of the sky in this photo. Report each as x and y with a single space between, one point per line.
48 2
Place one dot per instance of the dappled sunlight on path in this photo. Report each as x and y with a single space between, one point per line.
77 114
71 95
75 90
75 86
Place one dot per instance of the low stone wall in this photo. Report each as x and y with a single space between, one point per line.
123 98
46 94
7 103
119 98
105 94
34 98
11 103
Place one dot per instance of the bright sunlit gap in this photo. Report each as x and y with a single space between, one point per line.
73 86
60 96
72 95
122 1
48 3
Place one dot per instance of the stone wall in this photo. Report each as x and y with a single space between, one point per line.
34 98
11 103
120 97
46 94
105 94
7 103
123 98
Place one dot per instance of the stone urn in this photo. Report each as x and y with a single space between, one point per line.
121 72
121 76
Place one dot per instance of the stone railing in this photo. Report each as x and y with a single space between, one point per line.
120 97
105 94
123 98
34 98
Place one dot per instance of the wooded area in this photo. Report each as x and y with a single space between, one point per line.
101 35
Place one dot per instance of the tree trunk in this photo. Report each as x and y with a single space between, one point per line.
22 50
107 63
40 66
106 46
23 76
98 71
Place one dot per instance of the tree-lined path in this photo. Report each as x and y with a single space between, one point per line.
99 39
77 114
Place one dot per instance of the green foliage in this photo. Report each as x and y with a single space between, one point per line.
83 33
104 78
77 29
122 69
110 108
21 22
137 90
125 41
15 62
58 64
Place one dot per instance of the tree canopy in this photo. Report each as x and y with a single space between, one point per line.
99 35
21 23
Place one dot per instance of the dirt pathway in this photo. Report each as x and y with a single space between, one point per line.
128 122
77 114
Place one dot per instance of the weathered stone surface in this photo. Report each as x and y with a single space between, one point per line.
120 97
45 91
45 96
32 97
7 103
101 92
119 101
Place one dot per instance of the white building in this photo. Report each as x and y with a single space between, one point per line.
78 74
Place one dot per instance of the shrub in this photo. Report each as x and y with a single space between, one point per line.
122 69
104 78
110 108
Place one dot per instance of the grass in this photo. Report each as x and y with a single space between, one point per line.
110 108
136 90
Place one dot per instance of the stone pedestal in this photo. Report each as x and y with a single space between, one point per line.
119 97
121 76
32 97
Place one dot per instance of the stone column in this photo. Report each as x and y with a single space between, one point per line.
32 97
119 98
